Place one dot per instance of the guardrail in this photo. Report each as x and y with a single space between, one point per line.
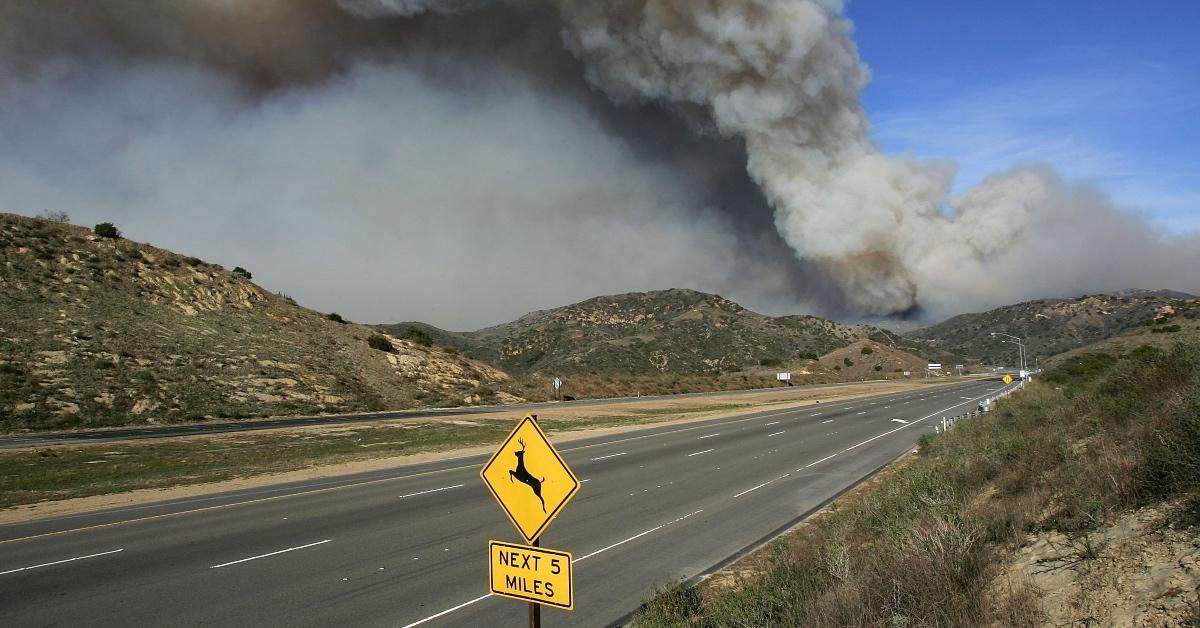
986 405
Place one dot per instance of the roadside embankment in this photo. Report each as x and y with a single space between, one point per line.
1077 500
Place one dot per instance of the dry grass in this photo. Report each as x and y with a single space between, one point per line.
922 548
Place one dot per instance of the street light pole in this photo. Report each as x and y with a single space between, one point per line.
1020 347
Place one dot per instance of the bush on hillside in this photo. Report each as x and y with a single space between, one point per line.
242 272
107 230
867 351
412 334
770 362
335 317
1080 369
847 361
379 341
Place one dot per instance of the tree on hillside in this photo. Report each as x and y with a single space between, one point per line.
107 230
238 270
54 216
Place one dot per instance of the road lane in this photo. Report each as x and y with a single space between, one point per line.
407 547
223 427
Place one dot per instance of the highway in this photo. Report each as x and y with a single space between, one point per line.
148 432
407 547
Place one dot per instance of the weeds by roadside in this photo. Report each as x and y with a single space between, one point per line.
922 548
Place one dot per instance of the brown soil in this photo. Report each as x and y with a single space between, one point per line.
1140 571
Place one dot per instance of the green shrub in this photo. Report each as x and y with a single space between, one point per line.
770 362
867 351
878 367
379 341
1080 369
847 361
412 334
107 230
242 272
335 317
1166 329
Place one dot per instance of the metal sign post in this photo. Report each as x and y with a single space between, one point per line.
532 483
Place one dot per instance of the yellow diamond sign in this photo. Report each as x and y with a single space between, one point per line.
1007 380
529 479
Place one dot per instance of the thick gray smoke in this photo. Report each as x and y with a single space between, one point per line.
464 161
784 76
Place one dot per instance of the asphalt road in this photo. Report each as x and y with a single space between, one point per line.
145 432
408 546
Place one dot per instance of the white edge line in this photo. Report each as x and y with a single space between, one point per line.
777 433
772 423
447 611
290 549
900 421
636 536
700 452
610 456
709 436
59 562
826 421
753 489
432 490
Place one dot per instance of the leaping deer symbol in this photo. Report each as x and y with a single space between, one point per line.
523 475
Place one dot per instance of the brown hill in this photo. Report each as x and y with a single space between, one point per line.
99 331
1052 326
867 359
649 333
1163 335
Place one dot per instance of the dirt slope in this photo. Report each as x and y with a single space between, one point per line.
100 331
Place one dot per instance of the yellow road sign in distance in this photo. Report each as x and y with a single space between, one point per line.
529 479
533 574
1007 380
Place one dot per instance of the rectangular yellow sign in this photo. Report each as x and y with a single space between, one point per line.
532 574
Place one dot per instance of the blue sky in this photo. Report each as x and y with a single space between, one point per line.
1106 92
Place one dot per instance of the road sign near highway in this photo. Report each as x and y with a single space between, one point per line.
529 479
1007 379
532 574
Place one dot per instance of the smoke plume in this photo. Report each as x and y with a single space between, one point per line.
464 161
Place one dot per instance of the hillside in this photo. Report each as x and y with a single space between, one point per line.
1163 336
98 331
867 359
646 333
1052 326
